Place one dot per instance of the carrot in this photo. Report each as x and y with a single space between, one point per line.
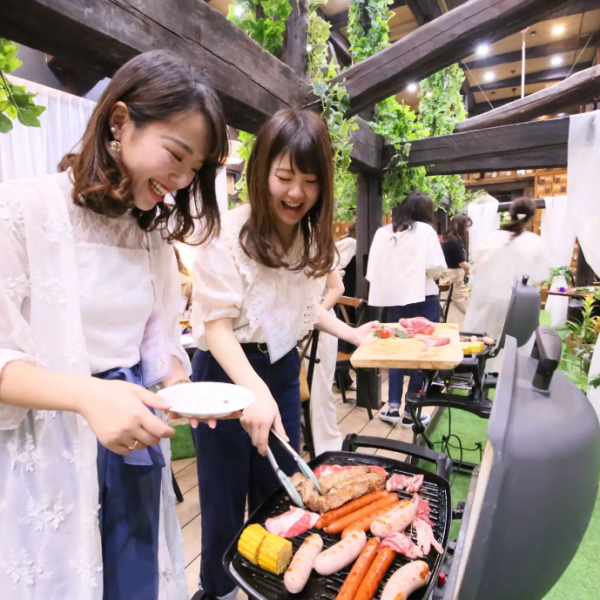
375 574
359 570
341 524
365 522
350 507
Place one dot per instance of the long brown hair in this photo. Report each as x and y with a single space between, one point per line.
459 229
156 86
521 212
304 135
417 207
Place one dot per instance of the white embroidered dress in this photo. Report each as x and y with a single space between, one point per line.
229 284
76 289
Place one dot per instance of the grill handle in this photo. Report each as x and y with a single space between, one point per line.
442 462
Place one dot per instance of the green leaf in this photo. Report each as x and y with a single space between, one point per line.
5 123
320 89
11 111
28 118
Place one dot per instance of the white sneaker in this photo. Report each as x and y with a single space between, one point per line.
407 421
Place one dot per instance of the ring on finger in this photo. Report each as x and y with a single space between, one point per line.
134 445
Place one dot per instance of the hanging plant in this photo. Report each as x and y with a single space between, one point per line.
15 101
368 29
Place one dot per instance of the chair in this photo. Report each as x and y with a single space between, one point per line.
447 289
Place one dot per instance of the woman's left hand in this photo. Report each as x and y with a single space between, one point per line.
362 333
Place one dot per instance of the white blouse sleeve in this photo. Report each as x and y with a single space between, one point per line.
376 255
16 339
218 288
171 305
435 262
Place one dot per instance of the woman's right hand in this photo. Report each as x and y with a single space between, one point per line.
117 413
259 418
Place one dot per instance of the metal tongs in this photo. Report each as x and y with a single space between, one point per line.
290 488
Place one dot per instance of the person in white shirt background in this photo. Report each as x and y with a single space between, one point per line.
86 267
257 290
405 258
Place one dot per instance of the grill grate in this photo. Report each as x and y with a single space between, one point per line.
262 585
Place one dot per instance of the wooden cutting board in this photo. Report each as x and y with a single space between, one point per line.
411 353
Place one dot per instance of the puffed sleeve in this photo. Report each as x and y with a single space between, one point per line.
218 288
171 306
435 262
16 338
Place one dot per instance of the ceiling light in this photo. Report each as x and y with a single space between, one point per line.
558 30
238 11
308 48
556 61
489 76
411 88
428 94
483 50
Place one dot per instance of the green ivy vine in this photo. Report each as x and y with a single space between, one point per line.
15 101
368 22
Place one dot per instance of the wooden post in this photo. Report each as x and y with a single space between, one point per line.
368 220
294 48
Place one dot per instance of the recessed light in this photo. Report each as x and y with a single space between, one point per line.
558 30
411 88
556 61
489 76
238 11
483 50
429 94
308 48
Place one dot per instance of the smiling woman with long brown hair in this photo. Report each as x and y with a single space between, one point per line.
257 291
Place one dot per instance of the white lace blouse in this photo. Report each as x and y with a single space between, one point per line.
76 290
229 284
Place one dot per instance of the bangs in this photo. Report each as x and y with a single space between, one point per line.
305 150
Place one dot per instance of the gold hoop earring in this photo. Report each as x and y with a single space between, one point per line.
115 145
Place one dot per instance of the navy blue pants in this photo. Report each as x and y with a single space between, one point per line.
230 469
430 309
129 514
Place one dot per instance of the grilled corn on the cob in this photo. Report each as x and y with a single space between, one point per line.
275 554
250 541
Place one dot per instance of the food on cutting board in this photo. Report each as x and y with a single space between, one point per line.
359 570
325 470
399 482
402 544
340 555
349 507
250 541
292 523
425 537
397 519
406 580
300 568
417 325
431 342
341 524
396 333
375 574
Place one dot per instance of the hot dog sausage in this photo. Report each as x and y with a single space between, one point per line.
375 574
340 555
359 570
350 507
298 572
397 519
406 580
341 524
365 522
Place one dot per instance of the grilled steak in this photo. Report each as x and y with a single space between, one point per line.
329 482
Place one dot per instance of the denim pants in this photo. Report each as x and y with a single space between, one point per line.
230 469
430 309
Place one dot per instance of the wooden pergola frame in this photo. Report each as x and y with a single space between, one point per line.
100 35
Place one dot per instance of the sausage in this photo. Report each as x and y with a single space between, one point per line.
341 524
365 522
406 580
359 570
397 519
298 572
349 507
340 555
375 574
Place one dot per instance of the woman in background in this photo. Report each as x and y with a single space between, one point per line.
455 243
404 260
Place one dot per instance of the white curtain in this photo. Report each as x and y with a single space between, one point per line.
484 214
34 151
583 188
558 237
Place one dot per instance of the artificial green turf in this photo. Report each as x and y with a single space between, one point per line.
181 443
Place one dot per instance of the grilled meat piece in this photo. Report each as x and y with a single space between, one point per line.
329 482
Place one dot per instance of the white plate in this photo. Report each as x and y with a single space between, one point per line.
206 399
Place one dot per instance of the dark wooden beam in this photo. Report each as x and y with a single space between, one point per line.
438 44
294 47
539 144
504 186
537 77
424 11
470 102
104 34
574 8
483 107
574 43
367 150
578 89
342 48
340 20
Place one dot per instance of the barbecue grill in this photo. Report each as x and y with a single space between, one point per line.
528 507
